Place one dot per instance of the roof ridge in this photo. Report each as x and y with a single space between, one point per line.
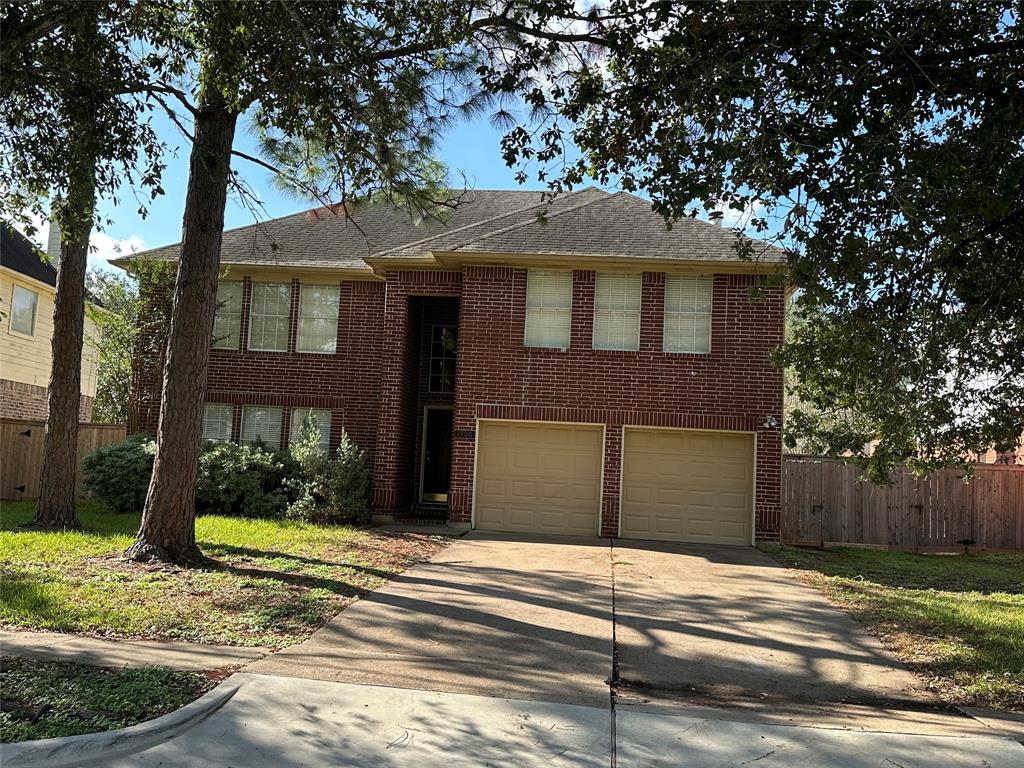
511 227
464 227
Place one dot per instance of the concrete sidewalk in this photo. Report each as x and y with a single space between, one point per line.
275 722
100 652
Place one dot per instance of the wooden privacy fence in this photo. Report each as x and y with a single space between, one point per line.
823 503
21 454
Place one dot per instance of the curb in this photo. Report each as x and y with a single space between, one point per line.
66 751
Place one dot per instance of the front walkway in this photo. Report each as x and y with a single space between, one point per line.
100 652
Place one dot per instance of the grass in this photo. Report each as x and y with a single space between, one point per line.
277 580
956 620
44 699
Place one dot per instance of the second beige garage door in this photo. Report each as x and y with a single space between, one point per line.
684 485
538 477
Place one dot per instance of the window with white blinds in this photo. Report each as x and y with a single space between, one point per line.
318 319
617 311
268 317
548 309
261 422
217 418
227 322
321 416
687 314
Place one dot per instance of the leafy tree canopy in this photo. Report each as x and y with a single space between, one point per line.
882 145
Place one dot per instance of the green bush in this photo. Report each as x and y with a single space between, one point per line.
329 490
118 474
244 480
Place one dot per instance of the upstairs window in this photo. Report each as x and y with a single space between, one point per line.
24 304
217 419
227 322
688 314
262 423
617 311
548 309
269 317
444 344
322 418
318 319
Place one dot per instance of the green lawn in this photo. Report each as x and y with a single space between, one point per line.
44 699
957 620
277 581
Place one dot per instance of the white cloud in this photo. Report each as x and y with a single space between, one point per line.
103 247
732 218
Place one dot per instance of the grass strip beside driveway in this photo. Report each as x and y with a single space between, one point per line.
276 582
956 620
46 699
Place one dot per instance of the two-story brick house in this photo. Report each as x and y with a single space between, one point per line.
588 372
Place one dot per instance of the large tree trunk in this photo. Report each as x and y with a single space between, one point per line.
167 533
55 508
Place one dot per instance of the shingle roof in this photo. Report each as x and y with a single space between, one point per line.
589 222
619 226
18 253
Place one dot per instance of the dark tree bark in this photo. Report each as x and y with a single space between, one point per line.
167 533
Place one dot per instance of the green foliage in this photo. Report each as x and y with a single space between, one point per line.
73 698
118 474
329 490
248 480
114 309
881 144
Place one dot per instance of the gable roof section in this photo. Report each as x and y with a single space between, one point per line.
19 254
619 226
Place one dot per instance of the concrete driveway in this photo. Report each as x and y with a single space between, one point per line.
532 618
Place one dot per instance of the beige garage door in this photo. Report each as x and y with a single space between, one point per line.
682 485
538 477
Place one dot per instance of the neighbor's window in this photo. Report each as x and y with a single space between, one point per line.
687 314
617 311
261 422
268 317
321 416
217 418
444 343
23 310
318 318
548 309
227 322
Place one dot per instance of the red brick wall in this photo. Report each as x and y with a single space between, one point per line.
19 400
734 387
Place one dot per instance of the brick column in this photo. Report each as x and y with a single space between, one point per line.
389 492
768 486
611 489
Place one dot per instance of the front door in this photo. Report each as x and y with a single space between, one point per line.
437 454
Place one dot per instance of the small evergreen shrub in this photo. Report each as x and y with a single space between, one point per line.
329 490
244 480
118 474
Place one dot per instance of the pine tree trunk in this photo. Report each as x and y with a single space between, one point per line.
55 507
167 532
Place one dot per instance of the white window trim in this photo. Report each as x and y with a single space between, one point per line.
300 318
280 429
231 422
710 314
543 273
35 312
287 317
639 313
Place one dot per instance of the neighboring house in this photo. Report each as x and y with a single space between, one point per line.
594 372
27 287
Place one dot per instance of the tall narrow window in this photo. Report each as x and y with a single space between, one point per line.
444 344
263 423
24 304
322 419
617 311
227 323
269 316
548 309
688 314
318 319
217 418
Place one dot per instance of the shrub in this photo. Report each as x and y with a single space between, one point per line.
244 480
329 490
118 474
